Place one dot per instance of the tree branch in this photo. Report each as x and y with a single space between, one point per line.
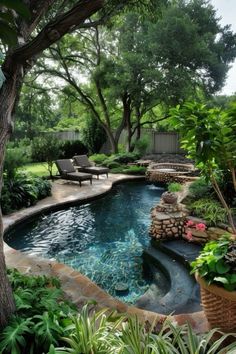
52 32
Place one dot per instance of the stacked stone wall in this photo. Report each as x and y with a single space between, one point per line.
168 221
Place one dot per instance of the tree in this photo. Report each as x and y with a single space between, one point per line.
35 111
131 72
48 22
210 139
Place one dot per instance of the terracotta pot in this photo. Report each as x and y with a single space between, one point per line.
219 306
169 198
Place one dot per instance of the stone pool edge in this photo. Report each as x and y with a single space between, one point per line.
76 286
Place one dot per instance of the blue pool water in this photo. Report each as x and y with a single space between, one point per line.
103 239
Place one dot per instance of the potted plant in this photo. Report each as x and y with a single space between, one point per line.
215 270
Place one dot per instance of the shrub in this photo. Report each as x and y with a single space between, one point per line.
112 164
46 149
98 158
40 318
199 188
130 170
93 135
141 145
126 157
15 158
103 333
22 190
175 187
209 209
70 148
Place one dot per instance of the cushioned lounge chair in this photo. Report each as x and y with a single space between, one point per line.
67 171
82 163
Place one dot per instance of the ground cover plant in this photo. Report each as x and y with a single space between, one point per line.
42 313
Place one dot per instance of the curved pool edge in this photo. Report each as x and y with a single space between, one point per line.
78 287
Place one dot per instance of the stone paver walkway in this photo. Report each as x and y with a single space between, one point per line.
77 286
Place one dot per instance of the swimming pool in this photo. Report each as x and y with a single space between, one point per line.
103 239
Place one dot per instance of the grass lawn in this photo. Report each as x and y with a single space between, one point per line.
38 169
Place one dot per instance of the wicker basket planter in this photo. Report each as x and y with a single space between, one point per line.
219 306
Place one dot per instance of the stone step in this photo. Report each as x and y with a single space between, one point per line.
183 295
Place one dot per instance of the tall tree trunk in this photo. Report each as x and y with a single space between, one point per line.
113 142
7 303
8 95
126 102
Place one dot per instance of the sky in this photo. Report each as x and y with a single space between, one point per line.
226 9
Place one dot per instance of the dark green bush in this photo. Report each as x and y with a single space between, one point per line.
98 158
130 170
22 190
200 188
46 149
41 315
93 135
14 158
112 164
70 148
126 157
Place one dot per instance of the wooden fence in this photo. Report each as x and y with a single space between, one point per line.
159 142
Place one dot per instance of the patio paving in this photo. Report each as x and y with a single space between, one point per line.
78 287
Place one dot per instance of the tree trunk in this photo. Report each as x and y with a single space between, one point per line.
8 94
7 303
126 102
113 142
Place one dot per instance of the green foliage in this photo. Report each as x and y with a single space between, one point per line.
210 210
22 190
175 187
15 158
200 188
112 164
212 264
98 158
46 323
8 32
70 148
125 157
130 170
141 145
93 135
46 149
209 137
41 315
102 334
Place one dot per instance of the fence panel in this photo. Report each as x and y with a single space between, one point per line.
166 143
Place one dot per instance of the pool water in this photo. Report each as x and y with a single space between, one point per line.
103 239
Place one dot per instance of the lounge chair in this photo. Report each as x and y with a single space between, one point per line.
82 163
67 171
